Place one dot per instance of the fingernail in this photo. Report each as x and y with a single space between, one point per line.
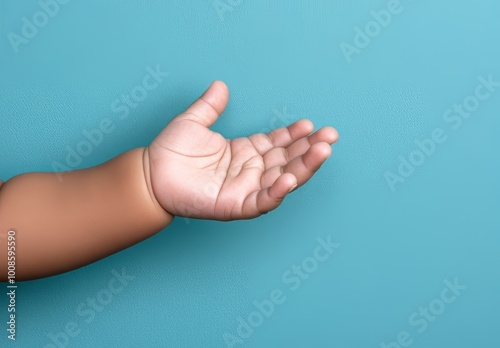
292 188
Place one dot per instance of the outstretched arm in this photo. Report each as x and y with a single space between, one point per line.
92 213
188 170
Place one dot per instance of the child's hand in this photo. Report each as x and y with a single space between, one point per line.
196 172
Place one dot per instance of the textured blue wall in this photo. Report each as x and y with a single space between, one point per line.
415 260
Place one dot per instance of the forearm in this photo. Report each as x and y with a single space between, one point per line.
90 214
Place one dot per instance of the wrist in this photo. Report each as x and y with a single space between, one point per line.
147 177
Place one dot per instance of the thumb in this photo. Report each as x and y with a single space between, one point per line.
209 106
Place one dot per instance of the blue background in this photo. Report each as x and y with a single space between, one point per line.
193 280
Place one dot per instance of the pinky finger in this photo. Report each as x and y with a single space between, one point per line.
265 200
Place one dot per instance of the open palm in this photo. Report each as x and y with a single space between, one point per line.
197 173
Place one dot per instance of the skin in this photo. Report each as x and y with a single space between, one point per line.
188 170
